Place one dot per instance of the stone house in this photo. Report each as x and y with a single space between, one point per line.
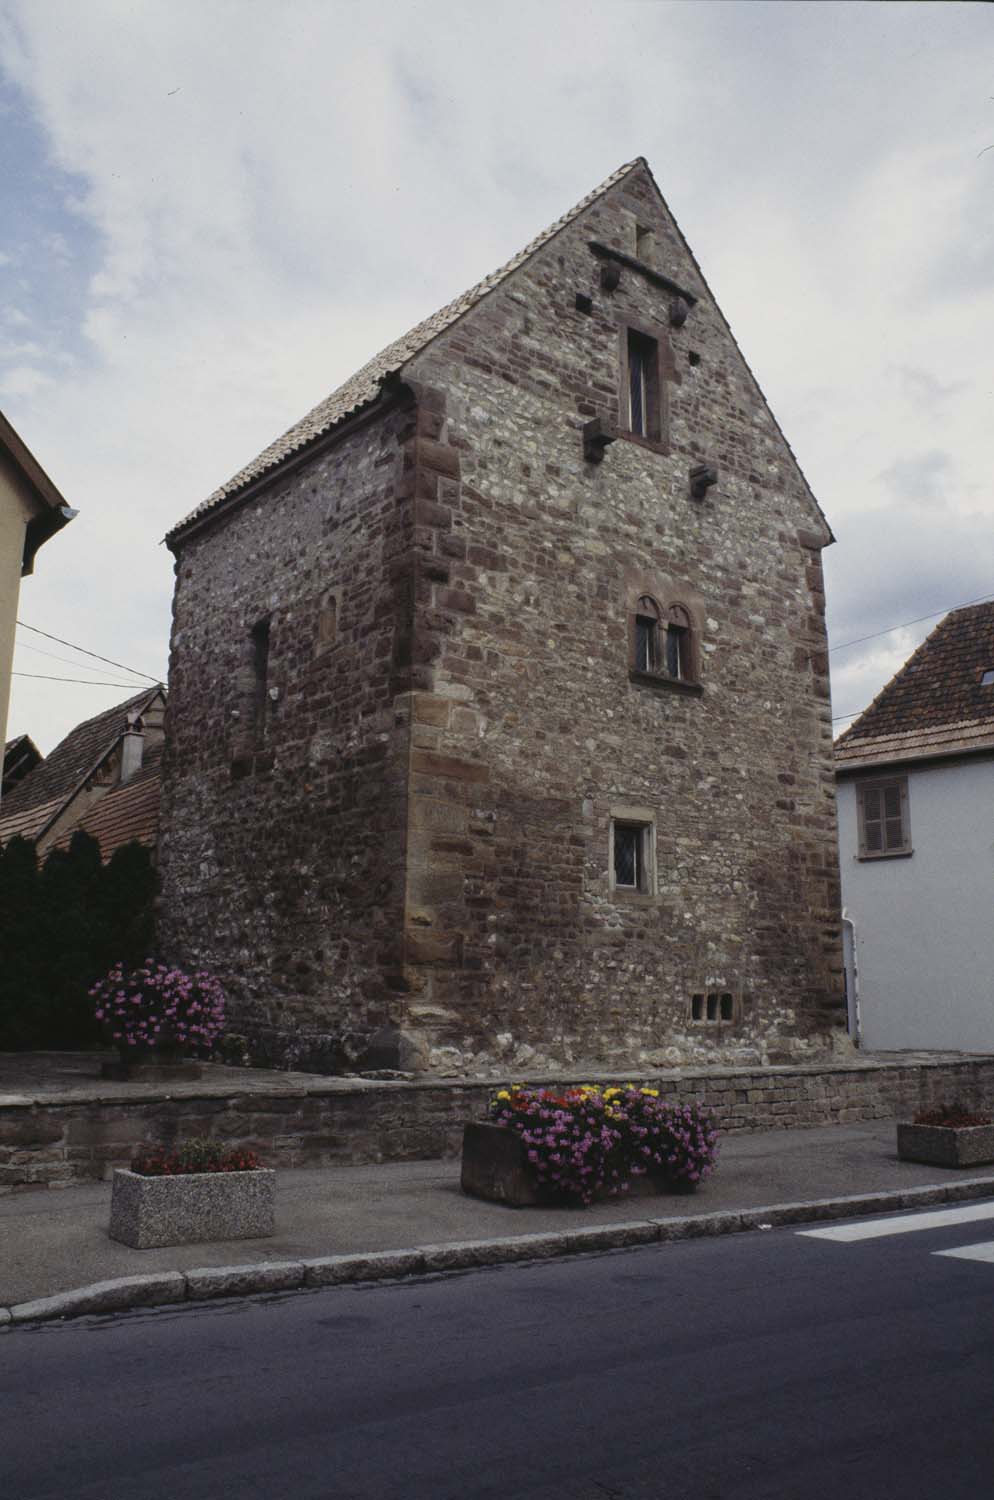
499 722
916 830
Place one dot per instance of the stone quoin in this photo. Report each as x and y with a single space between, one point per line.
499 731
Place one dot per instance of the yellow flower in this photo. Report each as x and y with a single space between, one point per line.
503 1094
611 1093
653 1093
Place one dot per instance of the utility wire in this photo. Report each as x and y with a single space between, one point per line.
73 647
55 656
86 681
905 623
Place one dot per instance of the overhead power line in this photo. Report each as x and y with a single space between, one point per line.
82 649
905 623
86 681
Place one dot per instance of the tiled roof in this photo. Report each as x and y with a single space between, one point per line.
48 786
128 812
936 704
20 756
364 386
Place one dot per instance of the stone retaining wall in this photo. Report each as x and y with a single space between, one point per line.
57 1142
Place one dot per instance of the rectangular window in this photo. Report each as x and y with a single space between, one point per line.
643 386
714 1007
646 637
632 853
629 862
884 826
677 651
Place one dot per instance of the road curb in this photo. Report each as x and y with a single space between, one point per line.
173 1287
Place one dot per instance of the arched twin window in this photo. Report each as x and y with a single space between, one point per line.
664 641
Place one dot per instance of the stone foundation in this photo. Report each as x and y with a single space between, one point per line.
57 1141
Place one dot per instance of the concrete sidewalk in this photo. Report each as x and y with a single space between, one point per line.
331 1220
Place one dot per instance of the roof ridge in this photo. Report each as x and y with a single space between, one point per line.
363 387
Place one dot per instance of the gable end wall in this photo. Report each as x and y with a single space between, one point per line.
418 856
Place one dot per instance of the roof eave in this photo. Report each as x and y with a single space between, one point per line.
390 394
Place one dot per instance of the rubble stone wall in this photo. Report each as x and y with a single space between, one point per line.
405 854
284 816
342 1124
534 735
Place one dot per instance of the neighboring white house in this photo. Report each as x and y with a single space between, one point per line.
915 777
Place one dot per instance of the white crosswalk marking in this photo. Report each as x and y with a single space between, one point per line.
971 1252
875 1229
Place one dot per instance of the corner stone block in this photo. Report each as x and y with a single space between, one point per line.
448 767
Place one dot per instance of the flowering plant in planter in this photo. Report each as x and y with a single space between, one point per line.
156 1008
590 1139
199 1154
953 1116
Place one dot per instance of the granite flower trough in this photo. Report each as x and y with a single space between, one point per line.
146 1212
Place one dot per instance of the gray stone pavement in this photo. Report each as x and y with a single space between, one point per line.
55 1242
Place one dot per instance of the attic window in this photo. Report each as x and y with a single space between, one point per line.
987 680
644 239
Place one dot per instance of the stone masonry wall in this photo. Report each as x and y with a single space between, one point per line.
532 735
338 1123
285 800
391 836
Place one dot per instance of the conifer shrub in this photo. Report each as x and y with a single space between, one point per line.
63 922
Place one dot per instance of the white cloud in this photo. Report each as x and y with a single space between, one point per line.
269 194
23 380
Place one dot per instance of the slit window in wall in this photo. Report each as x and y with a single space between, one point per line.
260 676
647 635
643 386
327 633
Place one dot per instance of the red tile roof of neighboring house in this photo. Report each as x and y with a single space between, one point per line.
937 704
32 804
128 812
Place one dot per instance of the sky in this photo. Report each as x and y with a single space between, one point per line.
213 211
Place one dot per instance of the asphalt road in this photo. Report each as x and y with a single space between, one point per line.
770 1364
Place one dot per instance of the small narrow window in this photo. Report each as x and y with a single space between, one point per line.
678 644
987 680
628 860
632 861
644 240
882 810
727 1007
697 1008
647 635
260 676
643 385
327 632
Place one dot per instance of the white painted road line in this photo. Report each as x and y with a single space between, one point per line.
905 1224
971 1252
